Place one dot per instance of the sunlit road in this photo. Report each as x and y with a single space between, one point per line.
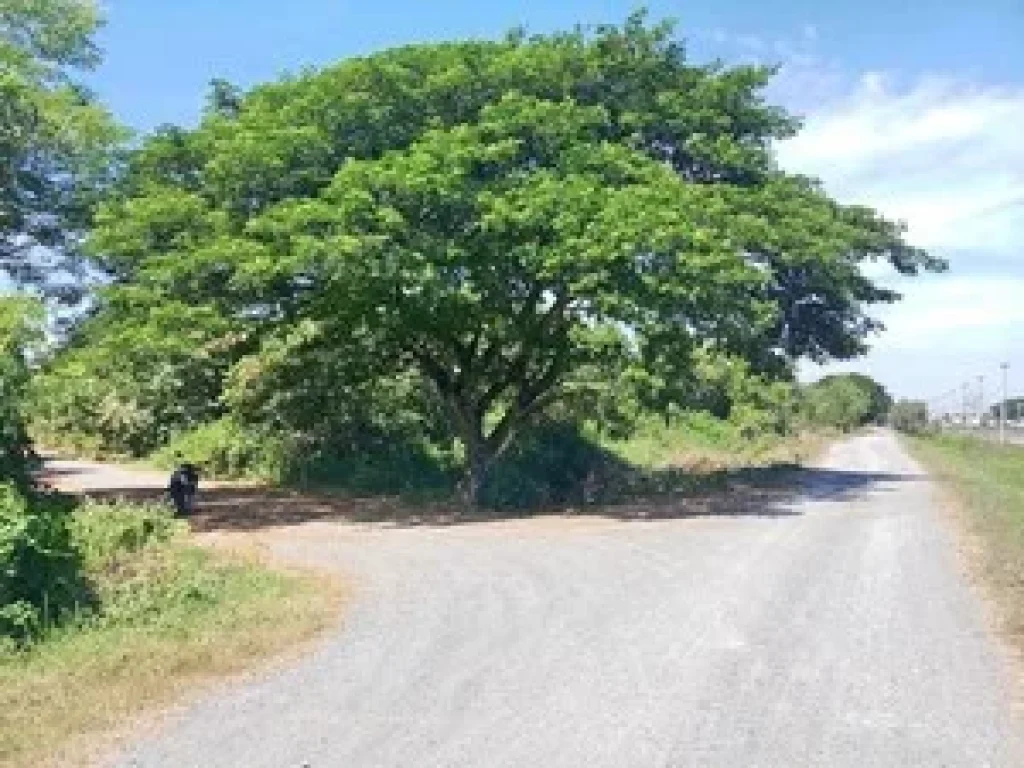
832 631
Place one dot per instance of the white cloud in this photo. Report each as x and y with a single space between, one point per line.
950 311
947 158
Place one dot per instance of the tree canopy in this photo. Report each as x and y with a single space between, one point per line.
507 221
55 141
848 400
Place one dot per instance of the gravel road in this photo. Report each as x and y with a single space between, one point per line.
90 476
834 631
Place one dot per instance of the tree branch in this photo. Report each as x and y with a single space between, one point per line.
533 397
518 368
434 370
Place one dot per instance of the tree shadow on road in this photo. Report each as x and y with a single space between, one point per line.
672 494
47 475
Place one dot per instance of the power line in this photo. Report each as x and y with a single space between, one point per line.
966 406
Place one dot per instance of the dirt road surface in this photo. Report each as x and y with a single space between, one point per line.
835 630
90 476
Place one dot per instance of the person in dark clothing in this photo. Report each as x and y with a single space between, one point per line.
183 486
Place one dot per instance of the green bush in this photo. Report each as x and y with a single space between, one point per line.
657 442
55 557
551 465
226 449
845 402
380 466
40 568
369 463
910 416
103 534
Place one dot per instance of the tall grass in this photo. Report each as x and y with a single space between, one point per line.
699 441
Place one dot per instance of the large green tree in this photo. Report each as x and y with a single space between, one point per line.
502 219
55 141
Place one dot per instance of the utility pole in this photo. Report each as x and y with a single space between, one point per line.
963 415
981 402
1002 407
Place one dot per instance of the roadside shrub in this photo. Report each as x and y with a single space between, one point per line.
910 416
56 557
104 534
19 320
551 465
226 449
845 402
658 442
40 569
371 462
385 465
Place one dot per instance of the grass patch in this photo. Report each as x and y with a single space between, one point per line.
989 481
165 615
701 443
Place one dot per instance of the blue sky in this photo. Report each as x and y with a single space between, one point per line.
160 55
916 107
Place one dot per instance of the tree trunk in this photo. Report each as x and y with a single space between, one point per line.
468 423
478 464
468 414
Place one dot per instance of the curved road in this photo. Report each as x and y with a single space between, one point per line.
835 631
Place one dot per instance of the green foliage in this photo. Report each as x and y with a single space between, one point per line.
695 441
845 402
559 464
909 416
226 449
550 466
373 461
40 569
880 400
326 405
20 323
381 466
56 558
55 141
125 386
104 534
